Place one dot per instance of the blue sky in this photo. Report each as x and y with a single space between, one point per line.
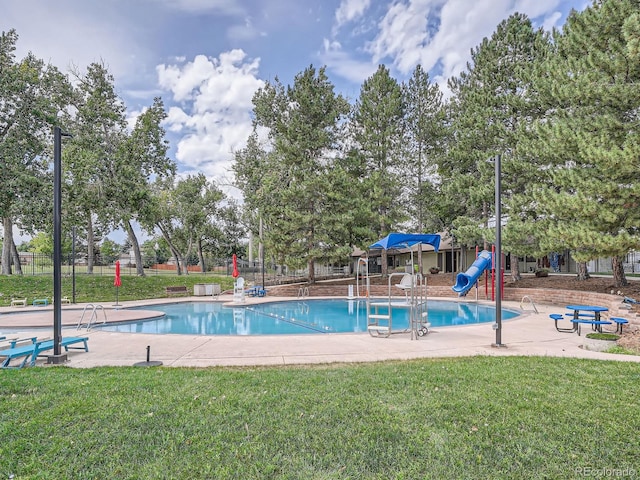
206 58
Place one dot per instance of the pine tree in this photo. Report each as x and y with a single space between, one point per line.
492 99
588 146
376 129
423 141
297 181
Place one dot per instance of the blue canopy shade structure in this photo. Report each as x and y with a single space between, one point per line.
404 240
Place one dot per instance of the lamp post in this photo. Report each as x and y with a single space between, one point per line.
73 265
498 259
261 252
57 357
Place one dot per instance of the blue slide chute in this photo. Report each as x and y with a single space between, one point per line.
464 281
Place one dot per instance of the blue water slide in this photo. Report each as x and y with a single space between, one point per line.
466 280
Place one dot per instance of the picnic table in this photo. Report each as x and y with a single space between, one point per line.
257 291
589 315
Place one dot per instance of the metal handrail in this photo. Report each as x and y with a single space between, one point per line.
527 297
93 317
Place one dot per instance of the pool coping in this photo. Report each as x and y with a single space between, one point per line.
529 334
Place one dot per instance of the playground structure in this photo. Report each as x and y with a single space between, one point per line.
484 263
380 310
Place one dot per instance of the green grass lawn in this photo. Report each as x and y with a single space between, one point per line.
471 418
480 417
96 288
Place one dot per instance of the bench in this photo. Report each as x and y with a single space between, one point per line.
18 302
29 352
558 316
596 324
40 302
619 323
178 290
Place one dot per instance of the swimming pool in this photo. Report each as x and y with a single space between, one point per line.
294 317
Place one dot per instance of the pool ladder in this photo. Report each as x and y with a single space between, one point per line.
530 300
303 292
94 315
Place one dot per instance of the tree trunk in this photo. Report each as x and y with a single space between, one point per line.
385 267
312 270
177 258
136 248
185 264
203 266
7 225
583 273
16 257
515 267
185 258
90 245
619 278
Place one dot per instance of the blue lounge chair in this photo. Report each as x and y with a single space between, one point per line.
30 352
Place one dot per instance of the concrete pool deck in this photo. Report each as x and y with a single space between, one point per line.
531 334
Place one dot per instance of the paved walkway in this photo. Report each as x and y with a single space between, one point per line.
529 334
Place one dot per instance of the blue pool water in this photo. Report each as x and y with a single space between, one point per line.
294 317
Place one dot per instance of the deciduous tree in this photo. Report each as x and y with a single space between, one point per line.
31 95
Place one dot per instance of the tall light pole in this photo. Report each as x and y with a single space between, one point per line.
261 252
73 265
498 259
57 357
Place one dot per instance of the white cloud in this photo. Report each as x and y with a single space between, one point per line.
349 10
213 119
537 8
183 80
439 34
343 64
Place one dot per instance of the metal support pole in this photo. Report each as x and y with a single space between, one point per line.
261 252
498 256
57 357
73 265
